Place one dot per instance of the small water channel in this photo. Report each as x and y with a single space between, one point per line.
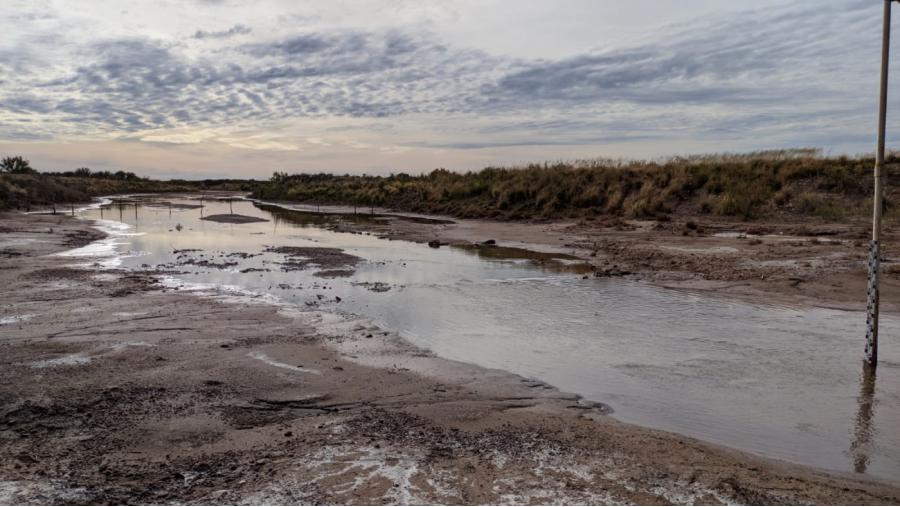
780 381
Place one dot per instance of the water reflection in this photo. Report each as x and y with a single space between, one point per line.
863 429
333 220
541 260
121 206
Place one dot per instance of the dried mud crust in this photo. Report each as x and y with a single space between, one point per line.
333 262
114 283
162 397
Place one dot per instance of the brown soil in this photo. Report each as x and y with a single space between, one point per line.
157 396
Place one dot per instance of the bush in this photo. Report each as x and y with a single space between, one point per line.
811 204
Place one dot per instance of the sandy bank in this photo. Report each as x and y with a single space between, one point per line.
117 390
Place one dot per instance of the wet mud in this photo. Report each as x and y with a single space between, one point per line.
119 390
233 219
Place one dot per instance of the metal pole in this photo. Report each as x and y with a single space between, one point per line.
871 354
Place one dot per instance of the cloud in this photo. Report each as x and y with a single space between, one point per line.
758 57
299 45
138 83
777 75
223 34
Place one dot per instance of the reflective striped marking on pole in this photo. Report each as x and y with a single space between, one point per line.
871 355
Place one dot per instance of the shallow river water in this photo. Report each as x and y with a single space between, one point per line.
780 381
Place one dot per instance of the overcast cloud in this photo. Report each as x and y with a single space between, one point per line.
225 88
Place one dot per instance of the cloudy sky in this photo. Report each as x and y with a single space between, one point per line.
215 88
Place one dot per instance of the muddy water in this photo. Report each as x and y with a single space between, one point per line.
784 382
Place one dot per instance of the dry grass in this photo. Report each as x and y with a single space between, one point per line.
752 185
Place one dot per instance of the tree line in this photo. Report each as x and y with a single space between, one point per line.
19 165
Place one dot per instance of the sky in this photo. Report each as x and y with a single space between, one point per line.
216 88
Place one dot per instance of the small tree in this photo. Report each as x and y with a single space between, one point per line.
16 165
83 172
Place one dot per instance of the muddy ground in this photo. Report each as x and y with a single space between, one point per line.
115 389
233 219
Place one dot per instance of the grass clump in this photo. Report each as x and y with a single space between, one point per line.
817 205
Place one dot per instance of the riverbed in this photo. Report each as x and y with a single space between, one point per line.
778 380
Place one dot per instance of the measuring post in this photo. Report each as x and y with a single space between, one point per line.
871 354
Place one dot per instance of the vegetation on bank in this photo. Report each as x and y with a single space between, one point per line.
22 187
796 182
799 182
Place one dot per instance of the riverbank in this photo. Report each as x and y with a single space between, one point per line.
116 389
801 262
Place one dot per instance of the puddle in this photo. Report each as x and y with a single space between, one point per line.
108 252
780 237
780 381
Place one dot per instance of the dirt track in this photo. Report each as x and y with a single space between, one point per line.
115 390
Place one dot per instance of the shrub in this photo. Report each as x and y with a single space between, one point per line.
811 204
